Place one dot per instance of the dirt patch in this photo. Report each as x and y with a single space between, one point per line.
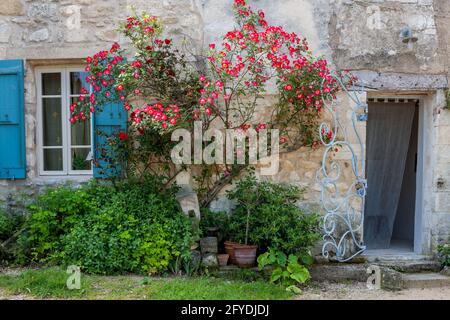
7 296
359 291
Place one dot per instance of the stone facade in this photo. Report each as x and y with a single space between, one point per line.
361 35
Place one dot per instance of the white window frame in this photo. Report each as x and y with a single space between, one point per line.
66 125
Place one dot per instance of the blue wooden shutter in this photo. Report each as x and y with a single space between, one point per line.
111 120
12 127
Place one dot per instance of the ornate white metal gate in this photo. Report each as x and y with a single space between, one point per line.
344 218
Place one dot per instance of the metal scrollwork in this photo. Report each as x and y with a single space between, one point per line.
344 218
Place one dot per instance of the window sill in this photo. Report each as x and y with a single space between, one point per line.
62 178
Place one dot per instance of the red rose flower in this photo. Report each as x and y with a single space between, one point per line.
123 136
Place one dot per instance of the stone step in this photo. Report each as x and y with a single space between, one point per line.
338 272
425 280
371 257
411 266
405 263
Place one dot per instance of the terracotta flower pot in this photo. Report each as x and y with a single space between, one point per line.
245 255
223 259
229 248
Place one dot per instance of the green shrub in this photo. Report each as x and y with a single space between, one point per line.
108 229
136 230
52 215
11 251
444 254
274 219
6 225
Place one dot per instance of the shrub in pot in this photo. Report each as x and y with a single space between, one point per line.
244 254
266 215
229 249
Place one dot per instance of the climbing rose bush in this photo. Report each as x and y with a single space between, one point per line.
163 91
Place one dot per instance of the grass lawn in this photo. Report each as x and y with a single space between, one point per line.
50 283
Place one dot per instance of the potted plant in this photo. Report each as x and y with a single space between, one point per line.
229 249
266 214
244 255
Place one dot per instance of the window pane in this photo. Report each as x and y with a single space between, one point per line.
81 133
51 118
79 157
51 83
77 81
53 160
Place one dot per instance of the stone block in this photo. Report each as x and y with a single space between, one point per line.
107 35
39 35
5 32
11 7
208 245
337 272
76 35
398 81
209 260
222 204
391 279
189 202
426 280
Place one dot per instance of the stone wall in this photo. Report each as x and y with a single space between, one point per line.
362 35
441 174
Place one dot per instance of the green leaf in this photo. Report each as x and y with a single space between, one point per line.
263 260
276 274
294 289
292 259
307 259
281 258
301 274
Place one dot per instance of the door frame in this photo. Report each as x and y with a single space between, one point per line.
425 99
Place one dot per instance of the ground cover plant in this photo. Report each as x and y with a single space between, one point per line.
51 283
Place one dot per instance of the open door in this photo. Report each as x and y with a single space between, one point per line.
391 166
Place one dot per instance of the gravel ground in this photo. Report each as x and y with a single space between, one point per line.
334 291
359 291
4 296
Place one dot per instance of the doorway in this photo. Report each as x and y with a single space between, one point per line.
391 170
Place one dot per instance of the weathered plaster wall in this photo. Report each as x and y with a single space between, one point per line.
366 35
361 35
440 212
